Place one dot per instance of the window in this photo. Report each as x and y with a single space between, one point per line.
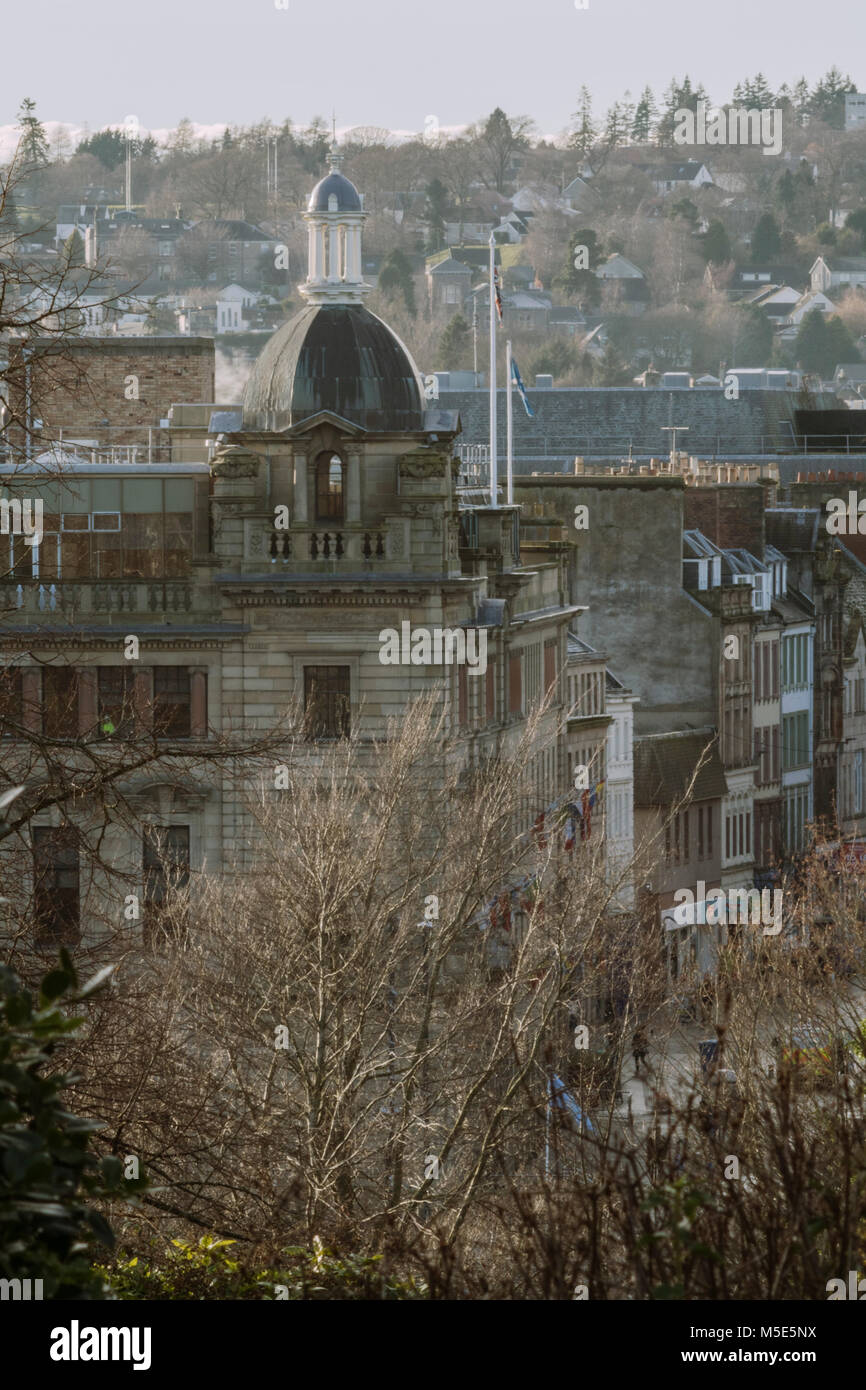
549 666
326 701
116 707
60 702
490 693
11 701
532 672
329 488
462 697
166 871
795 740
56 905
172 709
515 683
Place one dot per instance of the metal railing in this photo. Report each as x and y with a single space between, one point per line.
628 448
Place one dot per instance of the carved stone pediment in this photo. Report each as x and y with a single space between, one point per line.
165 799
423 464
233 461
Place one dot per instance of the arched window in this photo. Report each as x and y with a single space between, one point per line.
329 488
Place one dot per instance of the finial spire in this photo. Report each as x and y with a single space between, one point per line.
335 159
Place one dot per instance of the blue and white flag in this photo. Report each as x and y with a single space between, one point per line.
518 382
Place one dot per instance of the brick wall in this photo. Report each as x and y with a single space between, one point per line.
730 515
78 385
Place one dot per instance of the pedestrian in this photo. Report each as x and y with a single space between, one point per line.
639 1047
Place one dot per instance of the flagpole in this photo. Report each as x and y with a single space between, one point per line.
510 418
494 480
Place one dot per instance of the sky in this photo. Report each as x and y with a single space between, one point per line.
396 64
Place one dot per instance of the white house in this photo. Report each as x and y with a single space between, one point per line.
837 272
230 306
672 178
617 267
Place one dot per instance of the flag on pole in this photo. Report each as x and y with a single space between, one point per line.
497 293
518 382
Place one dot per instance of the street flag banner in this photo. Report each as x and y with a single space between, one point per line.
518 382
497 294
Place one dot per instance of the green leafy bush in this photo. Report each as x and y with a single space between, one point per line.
210 1270
46 1166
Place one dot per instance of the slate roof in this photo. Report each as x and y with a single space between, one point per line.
664 765
234 229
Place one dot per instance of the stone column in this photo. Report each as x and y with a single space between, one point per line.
88 699
321 232
333 253
353 489
31 698
198 702
300 508
311 252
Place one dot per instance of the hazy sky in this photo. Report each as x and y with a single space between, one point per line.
394 63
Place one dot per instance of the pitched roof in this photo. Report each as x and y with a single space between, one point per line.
665 764
234 229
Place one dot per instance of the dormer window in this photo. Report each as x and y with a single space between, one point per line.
329 488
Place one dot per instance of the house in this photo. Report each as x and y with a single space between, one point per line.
777 301
675 178
807 302
230 306
448 283
468 224
754 277
837 272
235 251
855 110
578 195
617 267
513 228
567 319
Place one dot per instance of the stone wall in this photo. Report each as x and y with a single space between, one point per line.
627 568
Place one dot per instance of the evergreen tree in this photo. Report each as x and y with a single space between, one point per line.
827 101
576 279
754 338
437 207
840 345
754 93
34 143
811 346
645 117
396 277
72 251
856 222
716 244
555 359
584 132
455 344
766 239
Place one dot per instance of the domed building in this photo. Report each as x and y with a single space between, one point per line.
336 519
335 355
